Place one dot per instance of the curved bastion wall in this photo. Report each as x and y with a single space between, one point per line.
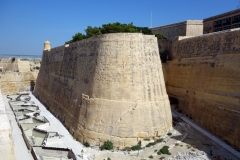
108 87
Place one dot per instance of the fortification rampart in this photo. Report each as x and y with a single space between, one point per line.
15 75
204 76
186 28
13 82
109 87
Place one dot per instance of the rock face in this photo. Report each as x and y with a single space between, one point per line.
109 87
204 76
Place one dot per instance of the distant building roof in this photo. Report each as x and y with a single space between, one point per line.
222 14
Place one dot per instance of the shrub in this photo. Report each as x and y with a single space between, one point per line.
148 145
159 140
162 158
169 134
86 144
151 157
126 149
159 153
108 158
160 36
151 144
137 147
176 144
108 145
146 139
164 150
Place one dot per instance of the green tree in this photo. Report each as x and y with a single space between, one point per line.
92 31
160 36
78 36
145 30
118 28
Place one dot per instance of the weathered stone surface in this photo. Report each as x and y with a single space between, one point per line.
109 87
204 76
185 28
12 82
15 75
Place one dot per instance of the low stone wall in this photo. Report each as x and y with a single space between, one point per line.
109 87
13 82
204 76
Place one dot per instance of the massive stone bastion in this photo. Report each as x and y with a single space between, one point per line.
204 76
109 87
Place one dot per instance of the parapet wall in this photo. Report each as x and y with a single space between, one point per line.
204 76
109 87
185 28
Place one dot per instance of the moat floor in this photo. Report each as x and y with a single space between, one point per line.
185 138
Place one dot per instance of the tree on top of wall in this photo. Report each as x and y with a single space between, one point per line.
119 28
160 36
78 36
92 31
116 27
145 30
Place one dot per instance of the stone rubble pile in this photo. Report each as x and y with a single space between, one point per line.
190 156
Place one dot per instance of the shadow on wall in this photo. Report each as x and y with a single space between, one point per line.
173 100
32 84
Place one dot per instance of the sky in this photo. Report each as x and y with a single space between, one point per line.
26 24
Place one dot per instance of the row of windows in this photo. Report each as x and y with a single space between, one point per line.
236 19
227 27
227 21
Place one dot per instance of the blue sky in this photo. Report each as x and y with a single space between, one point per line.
26 24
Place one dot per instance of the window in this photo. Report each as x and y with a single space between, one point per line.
235 19
226 21
218 23
236 26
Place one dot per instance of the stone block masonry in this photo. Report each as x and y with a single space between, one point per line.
204 75
109 87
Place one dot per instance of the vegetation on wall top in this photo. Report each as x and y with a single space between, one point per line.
111 28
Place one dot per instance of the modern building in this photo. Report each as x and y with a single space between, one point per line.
224 21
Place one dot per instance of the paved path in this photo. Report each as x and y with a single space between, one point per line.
6 144
209 135
20 149
55 124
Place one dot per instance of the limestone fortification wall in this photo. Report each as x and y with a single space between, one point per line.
185 28
15 75
204 76
109 87
13 82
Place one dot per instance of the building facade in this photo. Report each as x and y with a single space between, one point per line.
224 21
